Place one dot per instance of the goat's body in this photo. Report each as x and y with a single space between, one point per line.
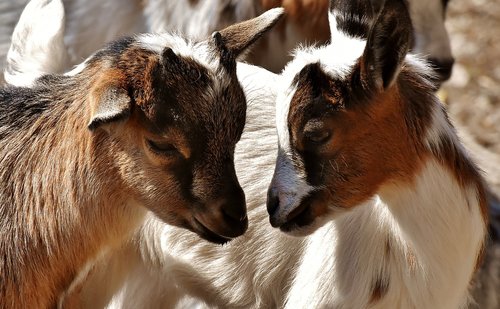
412 246
49 191
374 256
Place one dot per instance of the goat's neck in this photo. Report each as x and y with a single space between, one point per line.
436 228
64 198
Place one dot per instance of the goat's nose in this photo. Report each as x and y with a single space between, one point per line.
273 201
443 68
233 207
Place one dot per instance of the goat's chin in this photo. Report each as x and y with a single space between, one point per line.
305 230
193 225
207 234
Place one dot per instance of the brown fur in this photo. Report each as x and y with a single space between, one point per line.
380 289
373 140
79 154
52 198
309 16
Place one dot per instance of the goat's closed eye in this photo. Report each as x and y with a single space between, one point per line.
318 137
162 148
315 132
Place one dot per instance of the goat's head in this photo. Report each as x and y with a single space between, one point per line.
175 111
340 118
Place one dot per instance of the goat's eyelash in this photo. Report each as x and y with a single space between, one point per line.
162 148
317 137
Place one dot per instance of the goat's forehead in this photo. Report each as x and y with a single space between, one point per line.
336 60
201 51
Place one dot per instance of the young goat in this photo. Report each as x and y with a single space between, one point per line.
149 121
369 168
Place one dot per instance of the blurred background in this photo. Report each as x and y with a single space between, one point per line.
473 92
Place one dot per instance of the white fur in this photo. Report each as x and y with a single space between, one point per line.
196 20
182 47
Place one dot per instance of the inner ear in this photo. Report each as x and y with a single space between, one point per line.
109 100
387 45
238 37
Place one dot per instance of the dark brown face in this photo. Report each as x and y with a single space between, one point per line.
193 123
176 111
343 147
333 148
183 122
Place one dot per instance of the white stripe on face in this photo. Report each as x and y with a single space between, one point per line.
199 51
289 184
336 60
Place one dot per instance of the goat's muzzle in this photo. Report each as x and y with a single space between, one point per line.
223 219
289 216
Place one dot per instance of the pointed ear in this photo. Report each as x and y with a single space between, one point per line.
109 102
387 45
238 37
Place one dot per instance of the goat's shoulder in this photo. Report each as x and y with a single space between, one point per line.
20 106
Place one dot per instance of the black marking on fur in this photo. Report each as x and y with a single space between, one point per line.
380 287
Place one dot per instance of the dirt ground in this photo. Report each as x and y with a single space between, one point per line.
473 92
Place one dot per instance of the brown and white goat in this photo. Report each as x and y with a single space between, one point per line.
364 142
148 122
369 171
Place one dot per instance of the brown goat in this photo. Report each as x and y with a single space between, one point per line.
147 121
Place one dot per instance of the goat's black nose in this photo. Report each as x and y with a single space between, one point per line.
442 67
273 202
234 207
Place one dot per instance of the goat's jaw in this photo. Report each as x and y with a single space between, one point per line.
219 230
303 215
204 232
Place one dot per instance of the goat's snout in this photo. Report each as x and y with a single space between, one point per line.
273 208
224 218
442 67
233 207
273 202
292 212
286 210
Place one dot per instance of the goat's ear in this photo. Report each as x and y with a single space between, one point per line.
109 102
387 45
238 37
37 46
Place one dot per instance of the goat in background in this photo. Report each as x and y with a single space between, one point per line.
148 122
91 23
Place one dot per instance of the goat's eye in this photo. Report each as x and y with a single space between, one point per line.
318 136
315 132
162 148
